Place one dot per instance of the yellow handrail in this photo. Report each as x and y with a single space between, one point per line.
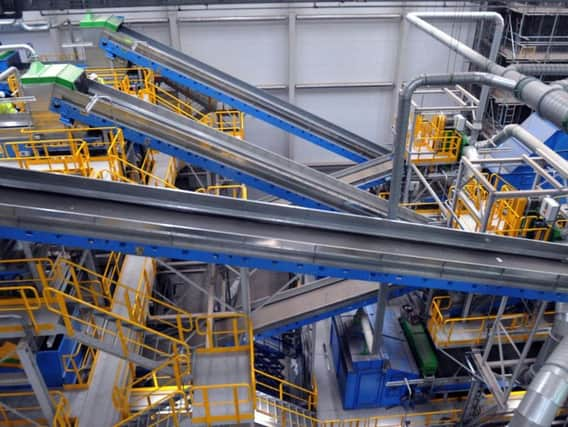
242 396
288 391
141 82
83 370
170 378
236 191
443 330
21 403
432 143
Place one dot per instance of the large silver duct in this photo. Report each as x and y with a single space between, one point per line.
418 18
551 102
548 390
532 143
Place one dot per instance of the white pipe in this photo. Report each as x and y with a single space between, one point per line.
532 143
418 19
20 46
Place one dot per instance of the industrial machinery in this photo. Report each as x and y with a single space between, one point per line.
121 187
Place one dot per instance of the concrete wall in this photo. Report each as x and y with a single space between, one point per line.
355 49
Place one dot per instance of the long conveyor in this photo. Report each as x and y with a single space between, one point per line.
188 71
195 143
311 302
156 222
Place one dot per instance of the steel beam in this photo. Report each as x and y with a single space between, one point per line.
196 75
155 222
35 378
195 143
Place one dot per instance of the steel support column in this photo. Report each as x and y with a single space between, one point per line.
380 318
245 289
29 364
175 39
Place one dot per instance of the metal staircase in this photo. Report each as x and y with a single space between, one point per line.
272 412
112 317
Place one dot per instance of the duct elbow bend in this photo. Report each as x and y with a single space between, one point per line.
546 393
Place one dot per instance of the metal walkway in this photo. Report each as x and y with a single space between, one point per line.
156 222
166 131
187 71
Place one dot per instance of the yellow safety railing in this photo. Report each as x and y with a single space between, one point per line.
112 268
424 208
120 330
16 91
20 294
472 330
128 80
224 333
506 215
287 391
236 191
141 82
57 57
215 410
106 295
83 369
120 169
33 154
286 417
167 383
432 143
62 414
102 159
231 122
21 299
25 403
162 411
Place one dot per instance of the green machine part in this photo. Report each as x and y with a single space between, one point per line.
63 74
110 23
421 347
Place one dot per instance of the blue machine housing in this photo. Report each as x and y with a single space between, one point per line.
50 364
11 59
522 177
362 379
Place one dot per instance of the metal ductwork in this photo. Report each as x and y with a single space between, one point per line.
540 69
547 392
551 102
532 143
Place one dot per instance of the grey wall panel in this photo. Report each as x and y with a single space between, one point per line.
252 51
346 51
362 110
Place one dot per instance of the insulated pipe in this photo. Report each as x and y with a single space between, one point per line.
561 83
546 393
34 27
417 18
532 143
544 69
20 46
557 333
403 116
551 102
